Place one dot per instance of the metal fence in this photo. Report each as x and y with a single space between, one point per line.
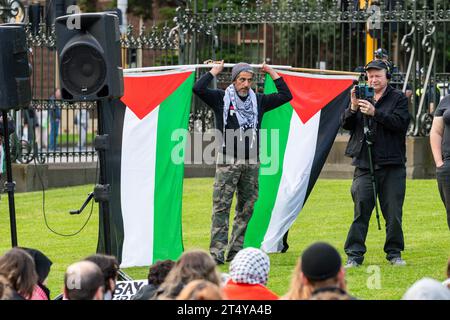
330 35
309 34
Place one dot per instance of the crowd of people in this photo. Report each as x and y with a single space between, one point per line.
318 275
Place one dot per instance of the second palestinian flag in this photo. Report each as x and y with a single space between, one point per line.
305 130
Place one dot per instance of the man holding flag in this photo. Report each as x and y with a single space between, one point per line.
238 113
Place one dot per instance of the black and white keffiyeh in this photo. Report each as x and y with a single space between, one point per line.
251 266
246 111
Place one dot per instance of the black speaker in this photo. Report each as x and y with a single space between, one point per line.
15 87
57 8
89 56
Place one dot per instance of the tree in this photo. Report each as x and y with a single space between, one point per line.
88 5
147 9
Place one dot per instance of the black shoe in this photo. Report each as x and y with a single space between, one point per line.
230 258
285 243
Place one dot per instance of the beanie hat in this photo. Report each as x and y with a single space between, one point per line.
41 262
238 68
320 261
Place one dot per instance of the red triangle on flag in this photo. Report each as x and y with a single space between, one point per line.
144 93
311 94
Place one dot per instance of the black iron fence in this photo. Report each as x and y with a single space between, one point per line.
331 35
309 34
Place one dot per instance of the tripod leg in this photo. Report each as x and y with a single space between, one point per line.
374 185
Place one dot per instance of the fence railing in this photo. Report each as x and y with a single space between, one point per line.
310 34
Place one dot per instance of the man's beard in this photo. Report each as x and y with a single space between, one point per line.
242 94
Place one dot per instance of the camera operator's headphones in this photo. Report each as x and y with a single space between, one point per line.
385 65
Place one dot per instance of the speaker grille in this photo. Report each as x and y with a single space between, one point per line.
83 70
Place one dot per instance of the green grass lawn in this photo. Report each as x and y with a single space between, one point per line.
326 217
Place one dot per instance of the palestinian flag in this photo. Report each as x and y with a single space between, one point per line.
146 206
306 129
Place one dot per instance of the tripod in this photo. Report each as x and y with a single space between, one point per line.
9 184
368 137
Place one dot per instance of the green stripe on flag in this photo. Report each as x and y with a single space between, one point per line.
279 118
173 115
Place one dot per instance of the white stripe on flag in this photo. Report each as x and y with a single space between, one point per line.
138 175
298 159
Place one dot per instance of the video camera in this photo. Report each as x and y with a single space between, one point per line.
364 92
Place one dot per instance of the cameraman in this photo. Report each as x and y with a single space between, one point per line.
387 119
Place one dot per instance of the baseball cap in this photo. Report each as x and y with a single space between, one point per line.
376 64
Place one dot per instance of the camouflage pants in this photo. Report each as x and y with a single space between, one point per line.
242 178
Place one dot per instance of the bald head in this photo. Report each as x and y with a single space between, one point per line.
83 281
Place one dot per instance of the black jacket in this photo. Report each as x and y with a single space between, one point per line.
214 99
389 126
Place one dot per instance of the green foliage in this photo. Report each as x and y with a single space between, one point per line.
88 5
168 14
326 217
144 8
141 8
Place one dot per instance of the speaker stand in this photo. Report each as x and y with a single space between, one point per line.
9 184
102 191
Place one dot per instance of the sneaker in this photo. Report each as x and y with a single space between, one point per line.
218 259
351 264
397 261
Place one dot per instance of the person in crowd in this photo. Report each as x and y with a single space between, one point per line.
238 112
440 147
55 119
18 274
82 122
447 281
249 273
156 275
427 289
30 123
6 293
192 265
297 290
381 122
110 268
42 264
84 280
201 290
431 93
322 272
